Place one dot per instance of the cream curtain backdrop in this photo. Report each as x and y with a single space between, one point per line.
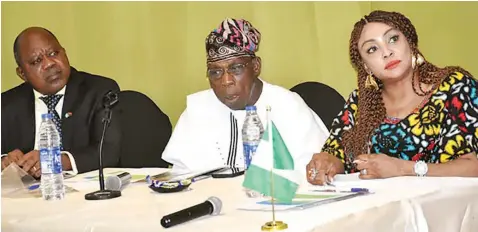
158 47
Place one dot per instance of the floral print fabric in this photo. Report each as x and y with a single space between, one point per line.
442 129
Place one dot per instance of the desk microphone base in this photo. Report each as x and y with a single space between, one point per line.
103 195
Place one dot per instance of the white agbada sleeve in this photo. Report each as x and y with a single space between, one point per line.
302 130
311 134
178 152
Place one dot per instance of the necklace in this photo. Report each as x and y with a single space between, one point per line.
395 120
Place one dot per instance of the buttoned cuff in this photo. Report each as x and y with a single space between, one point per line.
74 170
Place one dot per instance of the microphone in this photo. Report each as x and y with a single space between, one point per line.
109 100
118 182
211 206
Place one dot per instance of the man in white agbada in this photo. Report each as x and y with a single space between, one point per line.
209 132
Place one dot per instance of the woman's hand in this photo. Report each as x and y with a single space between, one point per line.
375 166
322 168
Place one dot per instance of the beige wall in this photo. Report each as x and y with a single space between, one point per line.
158 47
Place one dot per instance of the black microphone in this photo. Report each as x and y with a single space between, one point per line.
109 100
212 206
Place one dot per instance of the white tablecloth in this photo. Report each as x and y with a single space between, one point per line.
399 204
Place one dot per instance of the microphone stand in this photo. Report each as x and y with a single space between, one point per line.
104 194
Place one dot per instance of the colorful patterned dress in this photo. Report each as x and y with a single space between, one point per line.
442 129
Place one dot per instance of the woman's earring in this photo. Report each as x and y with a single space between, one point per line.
417 60
370 82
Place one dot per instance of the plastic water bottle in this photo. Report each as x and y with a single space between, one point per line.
50 159
251 136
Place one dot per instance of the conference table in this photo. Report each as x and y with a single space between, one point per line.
398 204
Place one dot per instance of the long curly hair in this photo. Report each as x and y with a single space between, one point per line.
371 109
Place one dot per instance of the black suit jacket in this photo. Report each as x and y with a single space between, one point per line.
81 132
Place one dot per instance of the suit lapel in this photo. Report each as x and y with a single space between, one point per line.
73 97
26 120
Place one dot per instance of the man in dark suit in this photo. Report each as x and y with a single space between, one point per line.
74 98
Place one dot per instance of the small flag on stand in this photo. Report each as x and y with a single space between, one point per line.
272 171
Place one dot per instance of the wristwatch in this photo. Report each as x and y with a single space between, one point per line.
420 168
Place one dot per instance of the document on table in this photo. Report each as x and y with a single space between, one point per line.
301 201
347 181
138 174
89 180
309 195
176 176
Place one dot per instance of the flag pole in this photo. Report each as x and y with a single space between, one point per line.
272 198
272 225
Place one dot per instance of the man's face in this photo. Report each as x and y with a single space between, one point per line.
43 62
232 80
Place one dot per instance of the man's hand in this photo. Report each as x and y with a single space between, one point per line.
322 168
13 156
31 163
65 162
378 166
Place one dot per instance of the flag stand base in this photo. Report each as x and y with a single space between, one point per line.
274 226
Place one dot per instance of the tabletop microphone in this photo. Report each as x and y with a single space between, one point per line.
211 206
109 101
118 182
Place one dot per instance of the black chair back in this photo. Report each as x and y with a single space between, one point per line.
145 131
324 100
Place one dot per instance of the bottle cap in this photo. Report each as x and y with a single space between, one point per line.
46 116
251 108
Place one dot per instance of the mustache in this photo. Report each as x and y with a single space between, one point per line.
52 72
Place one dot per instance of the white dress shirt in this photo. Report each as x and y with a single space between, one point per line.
41 108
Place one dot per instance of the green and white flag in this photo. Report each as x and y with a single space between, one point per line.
273 156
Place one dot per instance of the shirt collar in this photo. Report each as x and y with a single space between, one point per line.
38 94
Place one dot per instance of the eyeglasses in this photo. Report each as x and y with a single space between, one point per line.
233 69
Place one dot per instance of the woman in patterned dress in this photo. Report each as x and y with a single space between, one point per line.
407 117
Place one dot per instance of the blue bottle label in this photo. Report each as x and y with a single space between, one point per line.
249 152
50 161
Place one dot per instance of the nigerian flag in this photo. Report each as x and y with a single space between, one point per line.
272 159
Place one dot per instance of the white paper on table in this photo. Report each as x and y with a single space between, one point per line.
394 188
345 182
347 177
138 174
303 200
175 175
89 180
